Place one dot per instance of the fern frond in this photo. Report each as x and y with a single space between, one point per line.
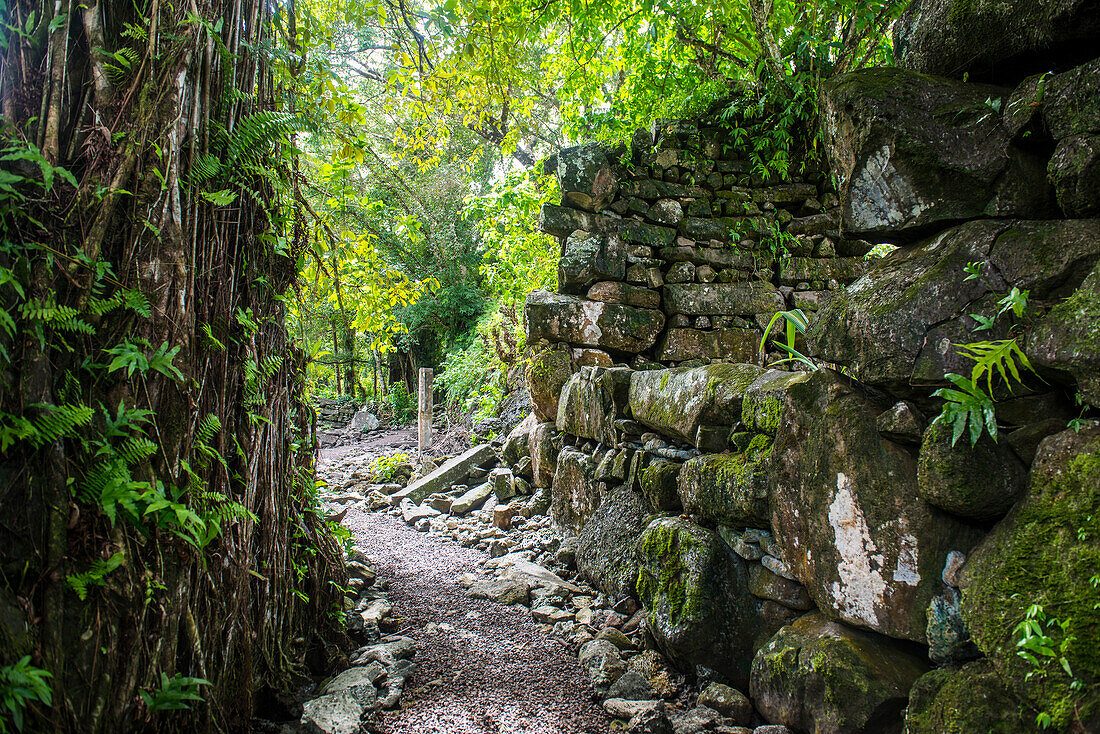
135 450
57 422
254 136
1003 358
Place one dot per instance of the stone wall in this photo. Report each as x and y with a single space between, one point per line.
815 536
673 251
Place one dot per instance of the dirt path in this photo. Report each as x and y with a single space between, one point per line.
484 668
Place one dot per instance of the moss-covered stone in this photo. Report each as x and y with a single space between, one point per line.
575 494
676 402
557 317
731 489
658 482
822 676
1046 552
545 443
965 701
695 591
1068 338
980 481
607 543
547 374
762 406
591 401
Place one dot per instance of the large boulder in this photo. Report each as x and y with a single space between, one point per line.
913 153
1046 553
970 699
711 299
995 40
606 552
587 258
557 317
1067 339
823 676
739 345
731 489
979 481
896 326
575 494
591 402
695 591
441 479
679 402
1074 171
846 514
585 177
762 405
547 374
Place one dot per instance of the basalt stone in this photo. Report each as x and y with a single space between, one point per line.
677 402
1044 552
768 585
738 345
843 270
847 515
1067 339
658 482
716 257
617 292
822 676
695 591
980 481
708 299
586 177
731 489
913 152
762 405
666 211
969 699
592 401
1074 171
545 443
587 258
562 318
896 326
575 494
994 40
546 375
606 553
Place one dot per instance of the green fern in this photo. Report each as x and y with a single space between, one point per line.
57 422
996 358
61 318
96 575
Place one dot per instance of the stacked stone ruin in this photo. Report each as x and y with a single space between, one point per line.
811 536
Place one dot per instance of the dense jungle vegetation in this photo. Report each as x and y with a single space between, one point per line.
213 211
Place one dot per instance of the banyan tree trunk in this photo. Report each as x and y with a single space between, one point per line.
158 513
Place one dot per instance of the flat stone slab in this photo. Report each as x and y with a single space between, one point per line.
450 472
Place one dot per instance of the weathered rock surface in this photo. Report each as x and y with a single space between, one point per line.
739 345
575 494
334 713
729 488
980 481
545 445
762 404
630 295
546 375
695 591
970 699
896 325
847 516
587 258
606 553
452 471
992 40
912 152
822 676
1044 553
678 402
585 177
708 299
563 318
592 400
1068 339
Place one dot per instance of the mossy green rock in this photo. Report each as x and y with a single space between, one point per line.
547 374
591 402
895 327
712 299
731 489
1045 552
607 544
587 258
994 39
846 514
1074 171
980 481
677 402
1067 339
965 701
913 153
762 406
825 677
575 494
678 345
658 481
557 317
695 592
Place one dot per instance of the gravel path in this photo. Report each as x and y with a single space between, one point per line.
484 668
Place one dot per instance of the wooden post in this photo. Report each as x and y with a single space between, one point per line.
424 414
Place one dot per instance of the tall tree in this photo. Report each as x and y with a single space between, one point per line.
161 538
